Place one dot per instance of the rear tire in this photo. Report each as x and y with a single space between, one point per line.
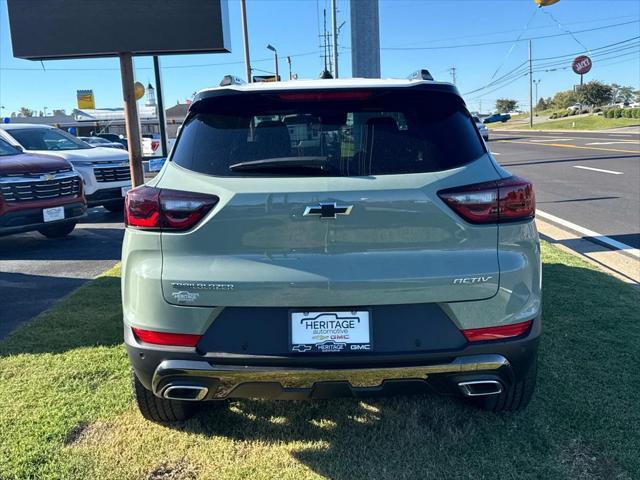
58 231
115 207
514 398
159 410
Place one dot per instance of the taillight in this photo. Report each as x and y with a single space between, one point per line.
163 338
505 200
152 208
326 96
496 333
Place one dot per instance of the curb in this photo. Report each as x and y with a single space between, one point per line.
616 263
613 130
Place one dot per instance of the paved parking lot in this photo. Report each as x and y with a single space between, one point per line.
35 272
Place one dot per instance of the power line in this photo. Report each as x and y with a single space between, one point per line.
542 27
501 42
519 69
196 65
522 74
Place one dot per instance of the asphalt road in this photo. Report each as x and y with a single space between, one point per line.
589 179
35 272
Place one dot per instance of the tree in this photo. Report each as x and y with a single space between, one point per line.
622 94
638 96
564 99
542 104
25 112
594 93
504 105
59 111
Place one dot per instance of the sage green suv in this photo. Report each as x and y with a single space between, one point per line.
322 238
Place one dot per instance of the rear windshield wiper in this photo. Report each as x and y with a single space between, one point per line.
282 163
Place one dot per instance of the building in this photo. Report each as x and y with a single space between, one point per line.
86 122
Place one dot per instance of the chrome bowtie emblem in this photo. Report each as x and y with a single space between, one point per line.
301 348
47 177
328 210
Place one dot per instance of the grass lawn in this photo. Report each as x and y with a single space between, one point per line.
67 412
587 122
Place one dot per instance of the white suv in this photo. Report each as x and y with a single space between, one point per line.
105 171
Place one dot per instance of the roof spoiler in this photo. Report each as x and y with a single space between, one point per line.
422 74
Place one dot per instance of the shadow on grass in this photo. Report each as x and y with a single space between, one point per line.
91 316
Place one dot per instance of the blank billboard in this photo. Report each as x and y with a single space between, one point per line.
49 29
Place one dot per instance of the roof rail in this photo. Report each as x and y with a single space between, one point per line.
422 74
231 80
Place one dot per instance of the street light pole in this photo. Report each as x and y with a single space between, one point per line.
530 87
275 58
536 83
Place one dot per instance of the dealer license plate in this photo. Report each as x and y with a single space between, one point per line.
330 332
53 214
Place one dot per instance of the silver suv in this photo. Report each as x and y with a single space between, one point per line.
323 238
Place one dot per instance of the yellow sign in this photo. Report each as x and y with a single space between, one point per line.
139 90
545 3
85 99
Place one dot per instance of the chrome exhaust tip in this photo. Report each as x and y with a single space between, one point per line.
479 388
191 393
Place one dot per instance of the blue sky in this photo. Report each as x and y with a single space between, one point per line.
293 25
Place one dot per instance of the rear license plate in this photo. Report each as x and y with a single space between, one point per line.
53 214
124 190
330 332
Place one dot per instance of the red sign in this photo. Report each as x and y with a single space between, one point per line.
581 64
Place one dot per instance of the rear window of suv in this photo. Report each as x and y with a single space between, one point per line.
328 133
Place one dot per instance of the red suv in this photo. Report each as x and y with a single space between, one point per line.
38 193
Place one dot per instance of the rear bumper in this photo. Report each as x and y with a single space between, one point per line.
30 219
320 376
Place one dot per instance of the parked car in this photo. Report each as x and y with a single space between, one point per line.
102 142
105 171
396 252
482 128
575 106
112 137
38 193
497 117
151 145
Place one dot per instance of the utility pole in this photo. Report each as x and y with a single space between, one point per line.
245 37
536 83
335 38
289 62
452 70
530 86
132 121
